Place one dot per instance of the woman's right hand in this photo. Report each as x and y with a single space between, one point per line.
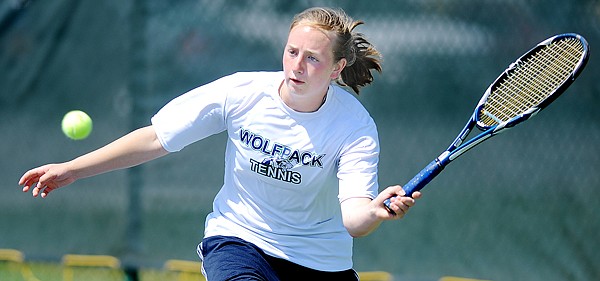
46 178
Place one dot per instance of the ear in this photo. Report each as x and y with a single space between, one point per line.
337 68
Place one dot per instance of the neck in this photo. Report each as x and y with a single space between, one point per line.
301 102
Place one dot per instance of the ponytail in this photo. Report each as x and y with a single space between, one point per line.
361 57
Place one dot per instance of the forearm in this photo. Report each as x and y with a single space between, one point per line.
360 217
130 150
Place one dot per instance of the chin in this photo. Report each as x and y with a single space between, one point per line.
294 88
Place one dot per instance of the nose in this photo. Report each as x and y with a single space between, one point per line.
298 65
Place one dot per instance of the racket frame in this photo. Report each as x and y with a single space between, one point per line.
459 146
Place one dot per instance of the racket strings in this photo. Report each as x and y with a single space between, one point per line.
532 81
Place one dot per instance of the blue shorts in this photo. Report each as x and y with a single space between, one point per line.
231 258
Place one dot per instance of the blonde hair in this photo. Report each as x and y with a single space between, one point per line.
360 54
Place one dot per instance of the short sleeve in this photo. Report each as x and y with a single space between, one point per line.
192 116
357 168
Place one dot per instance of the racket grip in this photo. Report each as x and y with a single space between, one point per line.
419 181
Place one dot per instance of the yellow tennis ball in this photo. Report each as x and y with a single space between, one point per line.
76 125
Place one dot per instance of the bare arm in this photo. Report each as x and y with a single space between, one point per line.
362 215
133 149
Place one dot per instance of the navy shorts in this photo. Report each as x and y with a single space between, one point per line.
231 258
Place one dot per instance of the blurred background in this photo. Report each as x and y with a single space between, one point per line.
522 207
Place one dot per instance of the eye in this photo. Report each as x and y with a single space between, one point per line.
313 58
292 52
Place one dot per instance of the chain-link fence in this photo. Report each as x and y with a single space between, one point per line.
522 207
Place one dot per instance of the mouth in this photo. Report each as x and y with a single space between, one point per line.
296 81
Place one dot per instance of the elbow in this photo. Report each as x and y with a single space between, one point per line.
358 231
358 234
359 218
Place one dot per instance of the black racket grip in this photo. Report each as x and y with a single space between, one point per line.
418 182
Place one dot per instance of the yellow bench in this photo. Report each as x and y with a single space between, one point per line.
16 268
375 276
185 270
11 264
108 267
10 255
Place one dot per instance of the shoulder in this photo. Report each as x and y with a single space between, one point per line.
348 106
244 90
257 78
248 85
354 118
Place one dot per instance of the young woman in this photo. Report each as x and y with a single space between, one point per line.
301 159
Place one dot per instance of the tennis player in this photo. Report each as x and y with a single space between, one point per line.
301 159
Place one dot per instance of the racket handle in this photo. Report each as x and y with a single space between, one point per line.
419 181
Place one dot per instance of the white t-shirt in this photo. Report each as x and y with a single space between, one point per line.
285 171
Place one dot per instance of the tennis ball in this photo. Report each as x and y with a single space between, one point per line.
76 125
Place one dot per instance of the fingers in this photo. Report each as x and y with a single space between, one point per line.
402 204
40 179
399 203
46 183
41 190
416 195
29 179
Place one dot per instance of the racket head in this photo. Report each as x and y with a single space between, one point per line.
532 82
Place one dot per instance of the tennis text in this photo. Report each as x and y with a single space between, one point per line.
279 159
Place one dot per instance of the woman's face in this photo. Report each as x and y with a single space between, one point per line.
309 66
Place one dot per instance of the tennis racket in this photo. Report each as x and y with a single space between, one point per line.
527 86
